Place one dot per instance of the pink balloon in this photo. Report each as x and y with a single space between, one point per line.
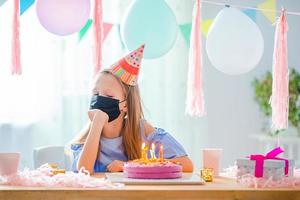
63 17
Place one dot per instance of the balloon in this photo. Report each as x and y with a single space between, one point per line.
63 17
151 23
234 43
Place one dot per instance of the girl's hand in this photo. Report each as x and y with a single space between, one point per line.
96 114
115 166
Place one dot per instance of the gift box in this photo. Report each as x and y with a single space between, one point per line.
266 166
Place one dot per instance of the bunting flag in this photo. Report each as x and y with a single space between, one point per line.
195 97
24 5
187 28
106 29
86 27
205 25
186 32
280 88
268 5
250 13
16 54
2 2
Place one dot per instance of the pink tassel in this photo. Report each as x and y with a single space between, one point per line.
98 35
16 54
280 89
195 96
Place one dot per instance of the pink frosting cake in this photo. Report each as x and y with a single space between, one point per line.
152 170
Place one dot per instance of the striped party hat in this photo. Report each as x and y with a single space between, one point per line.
127 69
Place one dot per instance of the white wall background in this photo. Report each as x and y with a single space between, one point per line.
233 115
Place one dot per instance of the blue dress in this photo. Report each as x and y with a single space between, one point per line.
113 149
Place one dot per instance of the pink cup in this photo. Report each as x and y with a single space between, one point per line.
212 159
9 163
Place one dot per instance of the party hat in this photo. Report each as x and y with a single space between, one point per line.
127 69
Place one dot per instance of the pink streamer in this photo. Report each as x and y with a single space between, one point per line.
280 89
42 177
98 35
195 96
15 56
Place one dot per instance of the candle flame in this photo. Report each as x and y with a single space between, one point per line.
143 145
161 147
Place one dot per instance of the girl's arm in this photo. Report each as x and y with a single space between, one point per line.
90 148
187 164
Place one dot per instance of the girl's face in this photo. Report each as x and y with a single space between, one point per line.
107 85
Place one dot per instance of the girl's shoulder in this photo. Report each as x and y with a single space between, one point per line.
148 128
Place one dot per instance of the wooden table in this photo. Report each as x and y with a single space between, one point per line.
221 188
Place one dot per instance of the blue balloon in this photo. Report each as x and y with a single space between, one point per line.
149 22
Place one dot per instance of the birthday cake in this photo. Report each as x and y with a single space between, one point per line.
138 169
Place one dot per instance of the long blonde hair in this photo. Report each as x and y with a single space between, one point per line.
131 124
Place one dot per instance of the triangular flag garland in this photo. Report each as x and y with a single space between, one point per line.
106 29
186 32
187 28
195 97
15 55
268 5
250 13
98 35
24 5
280 88
205 24
84 29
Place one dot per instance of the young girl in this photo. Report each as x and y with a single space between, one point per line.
116 127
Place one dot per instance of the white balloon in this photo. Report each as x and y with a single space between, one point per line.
234 42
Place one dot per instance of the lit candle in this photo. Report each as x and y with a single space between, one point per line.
152 151
144 152
161 153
